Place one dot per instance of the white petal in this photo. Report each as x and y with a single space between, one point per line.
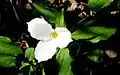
45 50
39 28
64 37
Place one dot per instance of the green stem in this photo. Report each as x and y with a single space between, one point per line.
43 72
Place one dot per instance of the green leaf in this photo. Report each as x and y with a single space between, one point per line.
7 61
93 34
64 61
5 39
49 14
26 68
79 34
98 4
60 20
29 53
8 48
24 65
94 56
118 4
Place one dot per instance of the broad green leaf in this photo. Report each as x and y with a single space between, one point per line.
29 53
64 61
80 34
49 14
60 20
98 4
8 48
93 34
94 56
5 39
7 61
118 4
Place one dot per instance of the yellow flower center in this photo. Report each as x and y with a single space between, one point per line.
53 34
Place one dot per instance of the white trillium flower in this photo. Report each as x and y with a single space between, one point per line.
49 38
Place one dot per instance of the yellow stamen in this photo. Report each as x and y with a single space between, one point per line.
53 34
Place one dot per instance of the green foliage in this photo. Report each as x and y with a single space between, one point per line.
60 20
8 48
93 34
4 39
7 61
8 52
95 55
118 4
47 13
64 61
29 53
23 65
98 4
26 69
